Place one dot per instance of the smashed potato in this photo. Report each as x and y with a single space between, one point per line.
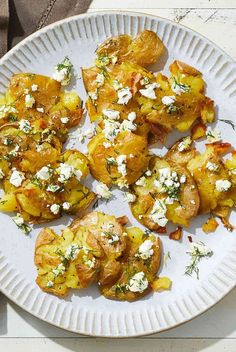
120 163
97 248
166 192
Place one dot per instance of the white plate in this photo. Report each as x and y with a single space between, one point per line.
86 311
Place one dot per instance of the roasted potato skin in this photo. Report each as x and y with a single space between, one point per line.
126 143
143 50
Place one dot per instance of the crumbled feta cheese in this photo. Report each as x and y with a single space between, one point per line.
29 101
158 213
138 283
40 110
168 182
65 119
1 174
103 191
34 87
100 79
60 270
116 84
55 208
124 96
89 262
127 125
199 248
182 179
130 197
89 133
17 177
111 129
53 188
24 125
93 95
192 201
65 172
145 250
223 185
66 206
132 116
78 174
212 166
121 164
184 144
44 173
149 91
63 72
72 251
50 284
148 173
141 181
213 135
168 100
106 144
111 114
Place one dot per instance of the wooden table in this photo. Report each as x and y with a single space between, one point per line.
213 331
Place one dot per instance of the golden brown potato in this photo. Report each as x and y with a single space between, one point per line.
208 170
138 269
96 247
143 50
104 161
166 193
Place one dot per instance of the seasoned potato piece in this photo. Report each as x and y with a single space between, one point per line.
138 267
181 152
162 284
64 262
166 192
210 225
209 171
122 162
143 50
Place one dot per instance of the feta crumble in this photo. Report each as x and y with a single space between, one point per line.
55 208
24 125
103 191
223 185
100 79
121 164
124 96
63 72
132 116
34 87
59 270
149 91
145 250
64 120
17 177
158 213
111 129
29 101
138 282
111 114
20 223
7 109
168 100
127 125
212 166
44 173
40 110
65 172
66 206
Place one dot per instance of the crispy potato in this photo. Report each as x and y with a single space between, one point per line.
144 50
198 131
133 264
184 205
162 284
105 170
206 179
